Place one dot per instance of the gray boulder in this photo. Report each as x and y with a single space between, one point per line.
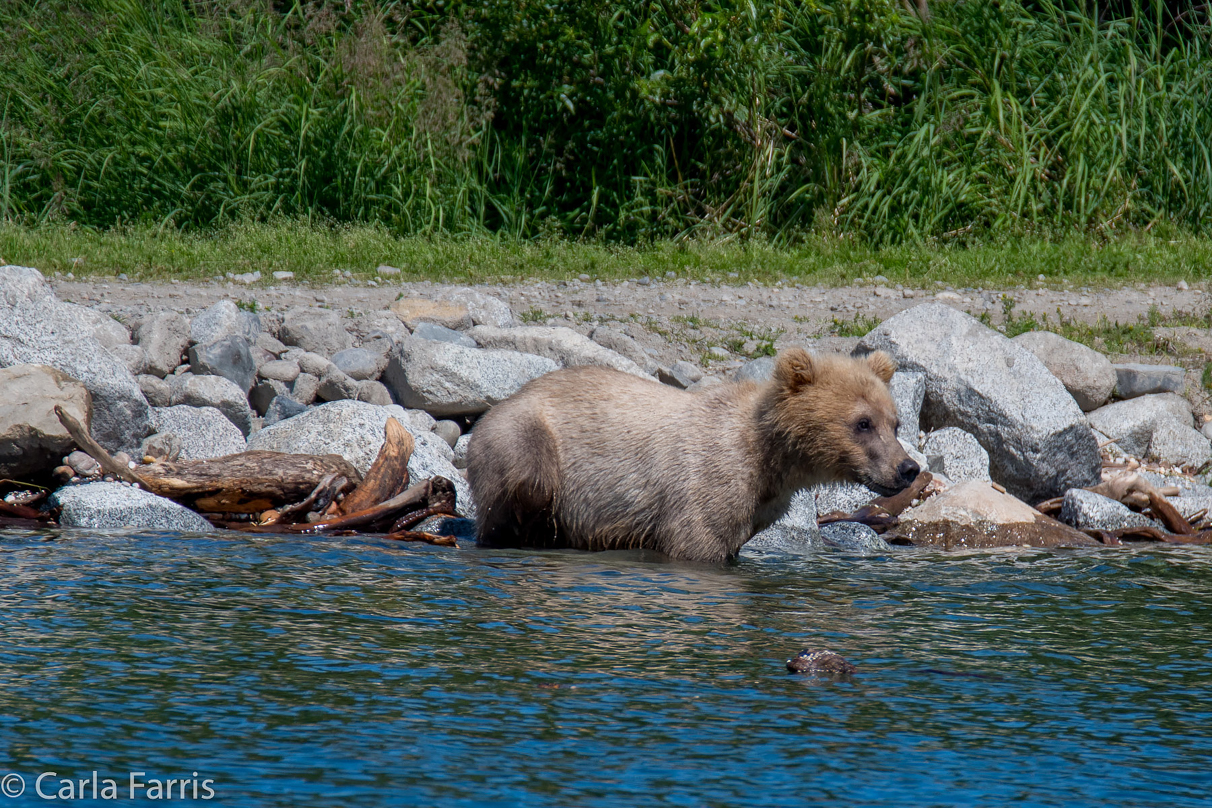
280 370
1134 379
36 330
304 389
482 308
203 432
269 343
561 345
1186 486
313 363
373 392
622 344
758 370
853 537
681 375
953 452
32 440
448 431
335 386
794 533
908 392
412 311
281 408
354 430
441 333
217 392
1179 444
228 357
841 497
157 391
445 379
1190 507
1132 423
160 447
164 336
264 392
132 356
1086 374
105 329
460 451
224 319
359 363
1086 510
317 330
120 506
1037 438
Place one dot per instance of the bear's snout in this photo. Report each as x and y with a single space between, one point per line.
907 471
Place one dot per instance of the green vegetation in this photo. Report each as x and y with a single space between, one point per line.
781 122
313 252
1104 335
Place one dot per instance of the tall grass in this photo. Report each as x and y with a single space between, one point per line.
623 121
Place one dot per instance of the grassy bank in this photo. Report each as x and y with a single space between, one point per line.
626 121
312 253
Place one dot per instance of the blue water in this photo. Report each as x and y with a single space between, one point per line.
291 671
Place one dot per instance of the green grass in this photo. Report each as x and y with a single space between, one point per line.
628 121
312 252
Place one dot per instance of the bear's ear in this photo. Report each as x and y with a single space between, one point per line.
881 365
794 369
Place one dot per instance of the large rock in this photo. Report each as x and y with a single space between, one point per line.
441 333
956 454
354 430
1132 423
164 336
228 357
32 440
106 330
562 345
1134 379
413 311
360 363
445 379
482 308
681 374
224 319
841 497
852 537
1086 510
204 432
908 392
317 330
36 330
755 370
119 506
217 392
1086 374
1037 438
1179 444
795 532
614 339
133 357
974 515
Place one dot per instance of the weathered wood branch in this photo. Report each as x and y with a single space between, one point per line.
249 482
388 475
85 441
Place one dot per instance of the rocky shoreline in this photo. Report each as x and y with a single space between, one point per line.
196 371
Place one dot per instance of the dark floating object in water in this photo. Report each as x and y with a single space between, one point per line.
823 663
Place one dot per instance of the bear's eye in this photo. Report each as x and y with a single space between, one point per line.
864 425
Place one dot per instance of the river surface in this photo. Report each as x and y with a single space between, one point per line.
353 672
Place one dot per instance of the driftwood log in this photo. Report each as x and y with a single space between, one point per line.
290 493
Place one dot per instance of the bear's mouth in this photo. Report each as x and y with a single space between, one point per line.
882 490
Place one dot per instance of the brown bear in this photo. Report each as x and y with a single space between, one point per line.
594 459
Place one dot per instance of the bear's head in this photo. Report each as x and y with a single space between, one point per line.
838 416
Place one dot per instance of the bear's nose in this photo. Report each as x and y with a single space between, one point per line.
908 470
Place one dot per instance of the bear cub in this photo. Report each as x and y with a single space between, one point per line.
594 459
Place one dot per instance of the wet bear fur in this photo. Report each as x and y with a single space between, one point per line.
594 459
